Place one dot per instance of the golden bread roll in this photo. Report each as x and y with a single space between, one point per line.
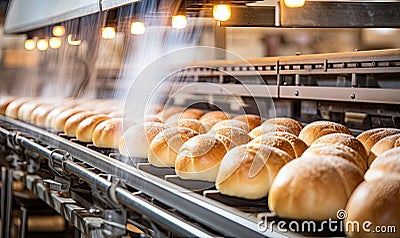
13 107
72 123
383 145
385 165
276 142
38 116
167 112
192 113
152 118
375 203
251 120
211 118
116 114
317 129
371 137
108 133
200 156
26 109
290 123
310 188
154 108
193 124
173 120
247 171
231 123
62 118
298 145
234 134
52 115
268 128
165 146
135 141
84 131
4 102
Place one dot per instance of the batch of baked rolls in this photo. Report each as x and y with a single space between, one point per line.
305 173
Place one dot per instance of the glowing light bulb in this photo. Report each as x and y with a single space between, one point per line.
179 21
108 33
55 42
294 3
58 31
30 44
42 44
222 12
137 28
72 41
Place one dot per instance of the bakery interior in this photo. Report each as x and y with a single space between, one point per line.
200 118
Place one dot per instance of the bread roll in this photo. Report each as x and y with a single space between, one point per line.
167 112
72 123
52 115
268 128
211 118
247 171
236 135
152 118
4 102
276 142
298 145
62 118
338 150
116 114
108 133
317 129
13 107
251 120
84 131
193 124
375 202
165 146
231 123
38 116
290 123
371 137
383 145
26 109
192 114
200 156
135 141
385 165
172 121
310 188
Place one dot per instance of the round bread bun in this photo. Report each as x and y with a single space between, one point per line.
231 123
343 139
108 133
247 171
276 142
193 124
84 131
152 118
298 145
200 156
38 116
290 123
62 118
13 107
251 120
385 165
268 128
4 102
52 115
337 150
192 113
135 141
371 137
114 114
234 134
383 145
167 112
317 129
72 123
165 146
310 188
154 108
173 120
26 109
211 118
375 202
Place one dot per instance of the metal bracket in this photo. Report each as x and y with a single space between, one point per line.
62 181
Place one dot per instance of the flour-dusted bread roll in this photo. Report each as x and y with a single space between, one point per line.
165 146
247 171
277 142
4 102
317 129
383 145
193 124
192 113
231 123
72 123
167 112
84 131
152 118
385 165
108 133
290 123
375 203
211 118
26 109
52 115
235 134
310 188
200 156
62 118
135 141
268 128
13 107
251 120
371 137
298 145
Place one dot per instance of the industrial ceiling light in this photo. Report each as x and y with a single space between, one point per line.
294 3
108 32
138 28
58 31
73 40
179 20
55 42
42 44
29 44
222 12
